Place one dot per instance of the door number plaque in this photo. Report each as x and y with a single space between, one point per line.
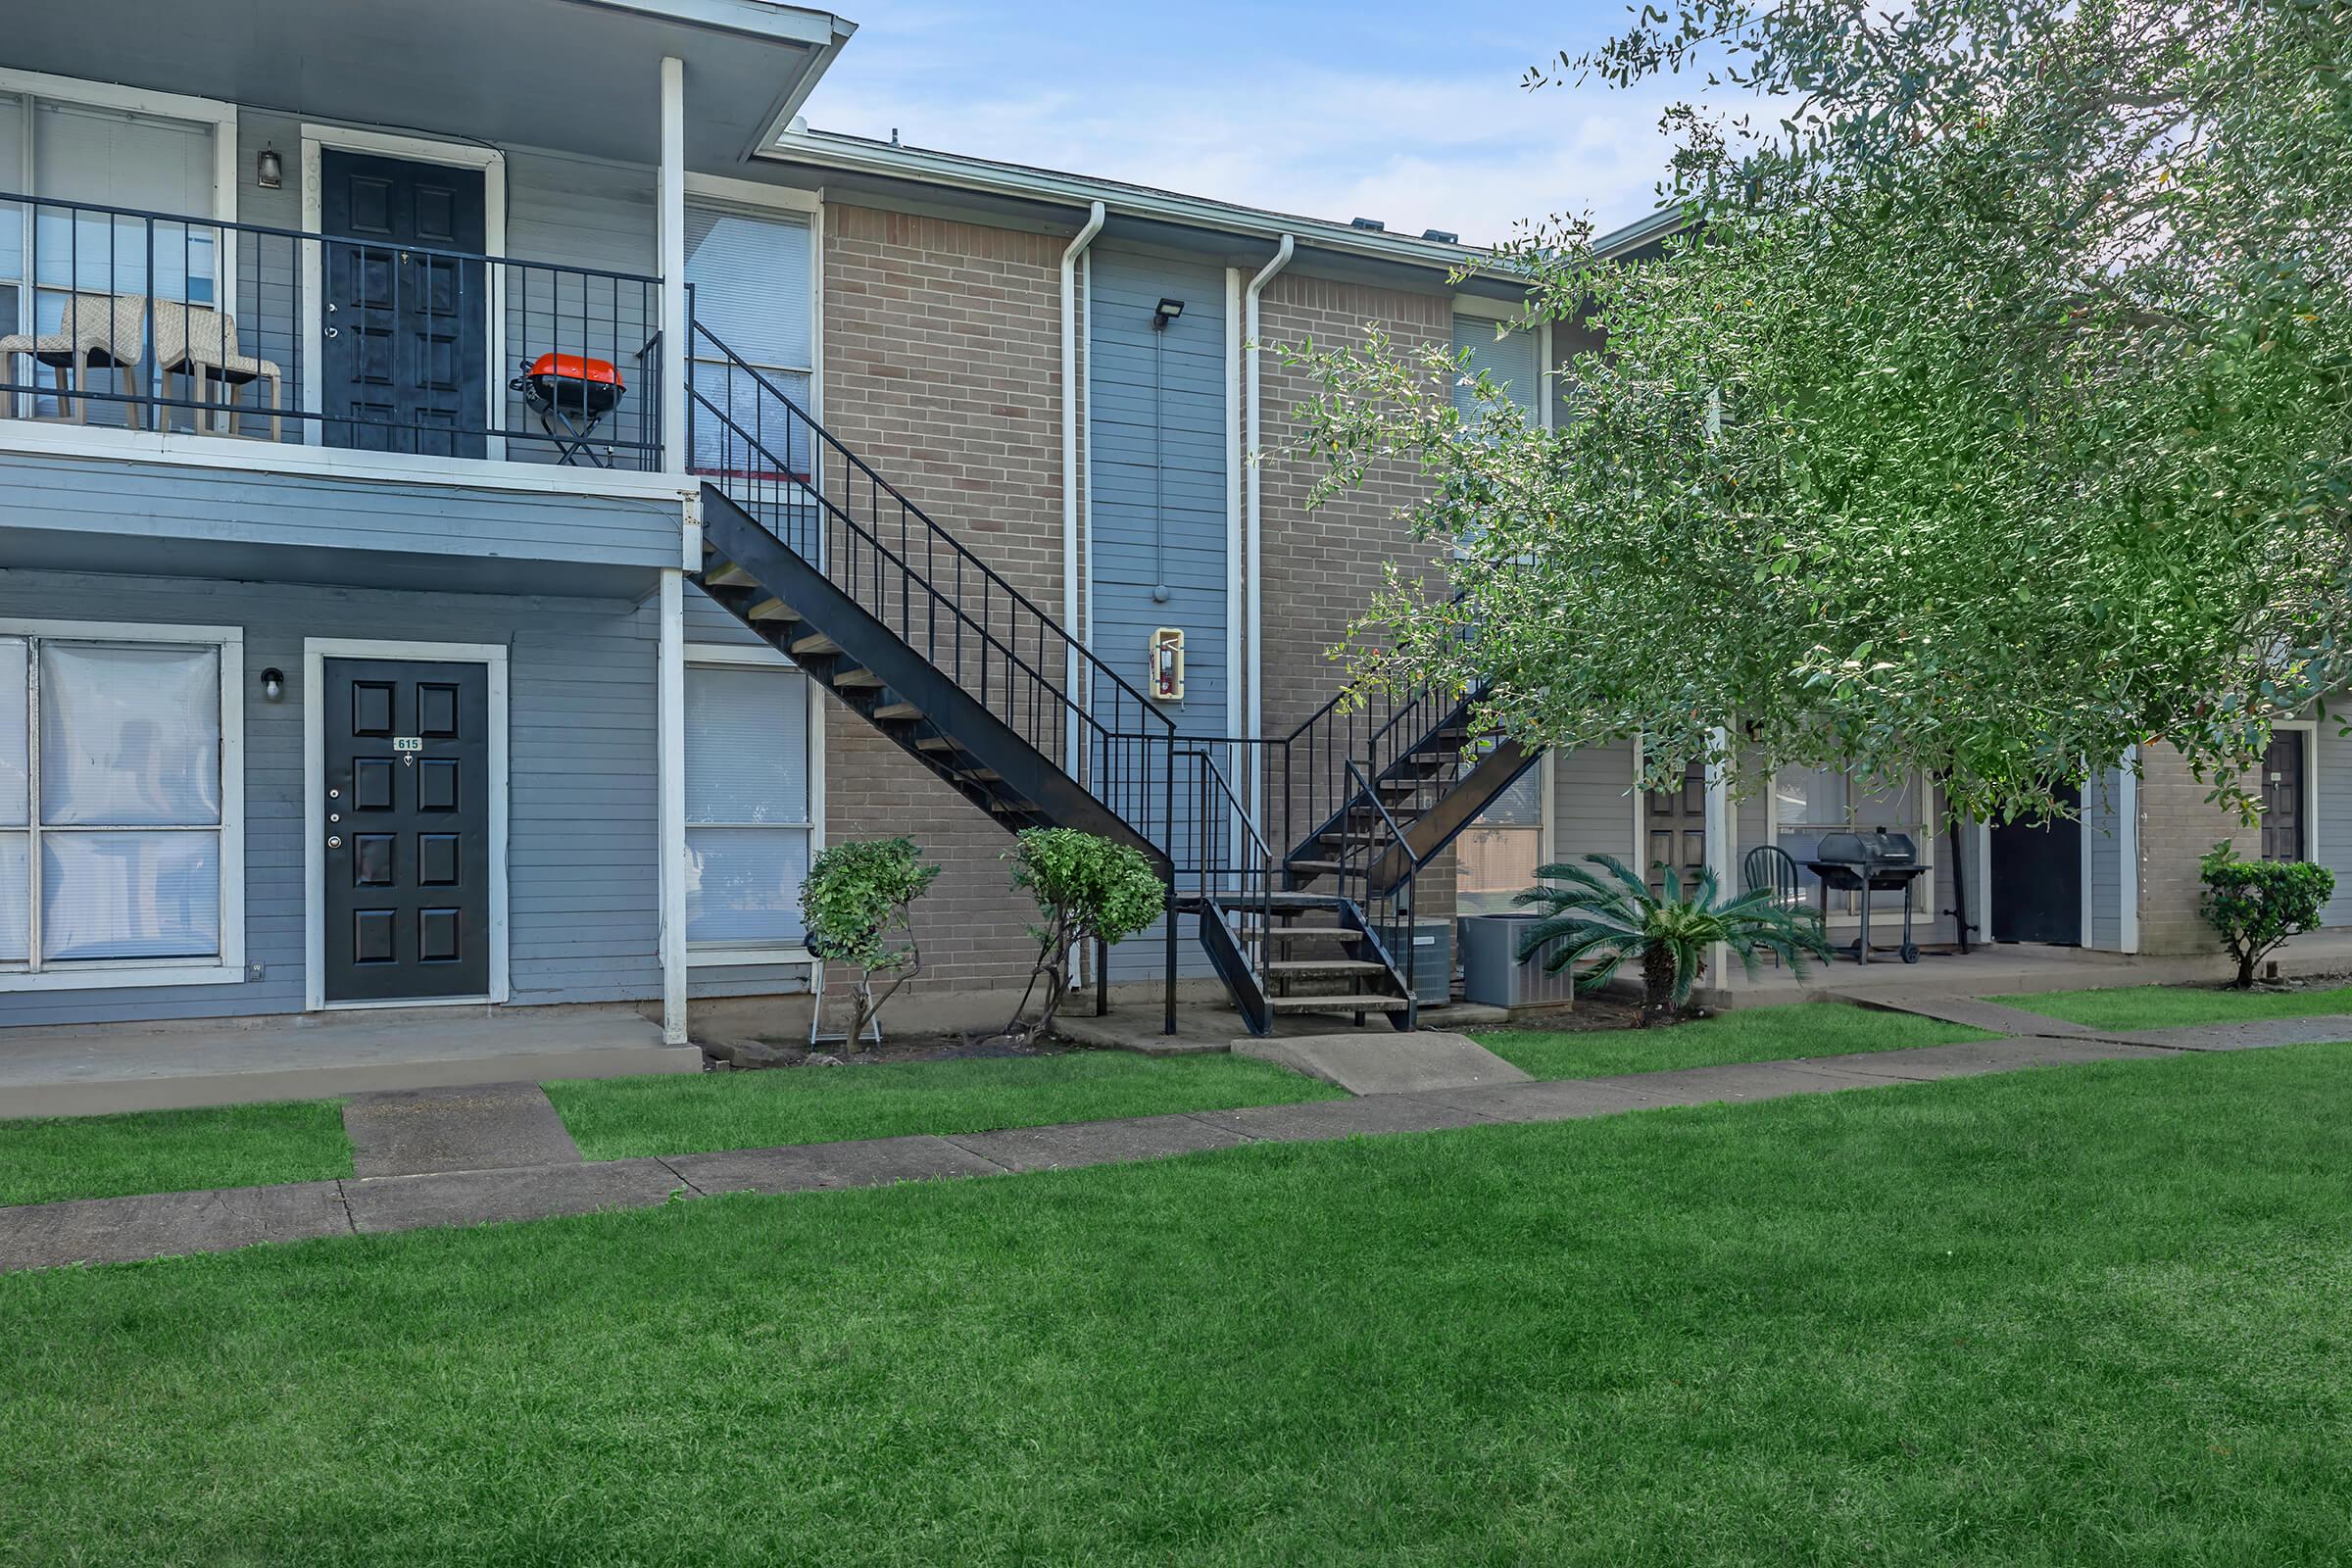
408 743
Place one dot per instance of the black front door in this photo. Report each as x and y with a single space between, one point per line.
2283 797
1676 823
2037 879
407 829
404 365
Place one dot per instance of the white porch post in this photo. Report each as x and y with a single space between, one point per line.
1720 851
670 799
675 349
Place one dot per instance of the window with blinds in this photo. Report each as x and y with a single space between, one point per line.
753 275
748 817
110 794
1510 360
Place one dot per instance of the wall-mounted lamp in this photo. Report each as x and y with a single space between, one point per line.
269 168
274 685
1167 312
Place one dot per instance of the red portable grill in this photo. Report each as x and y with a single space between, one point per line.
572 394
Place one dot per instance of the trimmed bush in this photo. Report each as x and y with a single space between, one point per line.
2257 905
1087 889
855 904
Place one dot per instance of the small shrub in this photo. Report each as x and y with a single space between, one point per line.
1087 889
854 903
1611 916
2257 905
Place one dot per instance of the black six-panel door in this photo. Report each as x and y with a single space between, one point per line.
408 830
404 364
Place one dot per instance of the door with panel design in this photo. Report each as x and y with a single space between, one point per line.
2283 797
1675 823
406 785
404 357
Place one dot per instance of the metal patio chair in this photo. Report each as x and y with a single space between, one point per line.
1768 865
97 332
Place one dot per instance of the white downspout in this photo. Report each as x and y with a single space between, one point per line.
1253 526
1070 484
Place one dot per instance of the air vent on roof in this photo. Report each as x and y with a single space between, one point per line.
1372 223
1442 237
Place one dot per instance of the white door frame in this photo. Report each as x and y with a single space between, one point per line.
416 150
316 652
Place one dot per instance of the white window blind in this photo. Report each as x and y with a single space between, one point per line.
1510 360
752 275
111 790
747 805
110 158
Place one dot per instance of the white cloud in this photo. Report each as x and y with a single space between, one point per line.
1469 153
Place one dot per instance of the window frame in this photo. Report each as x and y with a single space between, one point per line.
1922 830
30 88
734 655
743 199
228 966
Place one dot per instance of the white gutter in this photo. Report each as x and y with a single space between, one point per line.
1253 523
1069 459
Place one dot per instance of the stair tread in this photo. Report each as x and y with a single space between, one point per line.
771 609
1282 967
1340 1004
860 679
815 643
895 711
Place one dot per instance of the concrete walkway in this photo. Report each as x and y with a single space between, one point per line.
492 1127
124 1229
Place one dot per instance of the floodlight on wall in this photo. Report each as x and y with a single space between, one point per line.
1167 311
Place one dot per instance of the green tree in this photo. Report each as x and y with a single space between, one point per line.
1992 413
2257 905
855 903
1087 889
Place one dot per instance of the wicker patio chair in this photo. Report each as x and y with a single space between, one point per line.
200 343
97 332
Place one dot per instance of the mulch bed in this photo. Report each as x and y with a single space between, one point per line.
793 1051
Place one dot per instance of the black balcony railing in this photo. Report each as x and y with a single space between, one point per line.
162 321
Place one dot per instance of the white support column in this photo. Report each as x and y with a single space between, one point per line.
1720 851
670 805
671 224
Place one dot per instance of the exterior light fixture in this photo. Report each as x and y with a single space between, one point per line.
269 168
1167 312
274 685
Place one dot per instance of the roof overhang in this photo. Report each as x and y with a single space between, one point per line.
573 76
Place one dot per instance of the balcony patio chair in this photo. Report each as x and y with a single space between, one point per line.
97 332
200 343
1768 865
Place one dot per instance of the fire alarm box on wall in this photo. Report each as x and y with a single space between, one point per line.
1167 664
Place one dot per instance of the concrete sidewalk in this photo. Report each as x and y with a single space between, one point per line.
124 1229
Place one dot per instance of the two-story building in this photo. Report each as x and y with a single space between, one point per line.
486 492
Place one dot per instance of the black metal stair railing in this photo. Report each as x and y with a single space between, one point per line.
751 440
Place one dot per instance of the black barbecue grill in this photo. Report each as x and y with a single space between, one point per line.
1878 862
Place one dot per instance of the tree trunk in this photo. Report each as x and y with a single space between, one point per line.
2245 971
1657 985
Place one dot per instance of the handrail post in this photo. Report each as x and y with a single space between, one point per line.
1168 796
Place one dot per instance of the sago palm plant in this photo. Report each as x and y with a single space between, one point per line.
1612 916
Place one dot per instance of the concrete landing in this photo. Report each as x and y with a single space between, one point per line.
491 1127
1370 1063
95 1070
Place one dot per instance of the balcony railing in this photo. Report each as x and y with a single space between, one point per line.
162 321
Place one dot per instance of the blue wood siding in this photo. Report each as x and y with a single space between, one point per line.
74 513
1158 428
581 867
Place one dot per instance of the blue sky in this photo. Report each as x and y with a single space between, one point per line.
1410 114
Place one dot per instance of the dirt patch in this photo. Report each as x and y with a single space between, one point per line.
766 1051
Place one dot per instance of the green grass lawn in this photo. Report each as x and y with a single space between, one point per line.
1743 1034
2078 1315
624 1117
172 1150
2174 1007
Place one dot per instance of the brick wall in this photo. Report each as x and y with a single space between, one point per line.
942 345
1322 566
2176 826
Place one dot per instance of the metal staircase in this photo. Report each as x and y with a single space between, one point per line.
824 560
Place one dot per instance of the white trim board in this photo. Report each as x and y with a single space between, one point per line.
316 137
228 967
316 652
